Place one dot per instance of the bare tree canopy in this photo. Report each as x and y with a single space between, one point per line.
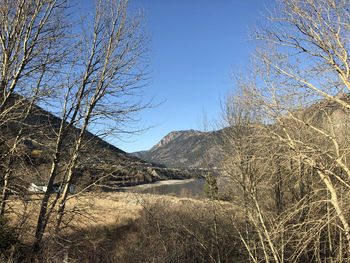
89 70
298 86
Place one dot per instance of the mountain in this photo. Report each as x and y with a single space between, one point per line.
189 149
98 160
138 154
193 149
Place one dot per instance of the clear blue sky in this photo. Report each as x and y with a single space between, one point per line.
195 46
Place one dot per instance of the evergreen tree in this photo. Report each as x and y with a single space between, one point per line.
211 187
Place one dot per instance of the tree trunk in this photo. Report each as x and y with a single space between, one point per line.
44 215
4 194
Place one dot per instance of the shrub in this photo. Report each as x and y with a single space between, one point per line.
166 231
10 247
211 187
185 232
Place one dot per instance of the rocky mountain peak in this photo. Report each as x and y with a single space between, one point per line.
185 149
172 136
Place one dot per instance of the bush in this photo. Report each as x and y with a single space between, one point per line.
166 231
10 246
211 187
185 232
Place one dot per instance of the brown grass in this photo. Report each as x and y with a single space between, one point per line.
104 227
89 210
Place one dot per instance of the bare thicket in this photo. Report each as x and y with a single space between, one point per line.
185 231
299 84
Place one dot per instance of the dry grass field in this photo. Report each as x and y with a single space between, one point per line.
84 211
107 227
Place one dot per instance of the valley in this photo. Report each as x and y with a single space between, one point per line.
268 178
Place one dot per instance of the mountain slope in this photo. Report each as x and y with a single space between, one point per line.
98 160
188 149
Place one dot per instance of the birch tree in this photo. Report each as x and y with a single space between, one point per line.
32 36
102 85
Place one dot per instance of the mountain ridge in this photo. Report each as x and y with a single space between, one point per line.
185 149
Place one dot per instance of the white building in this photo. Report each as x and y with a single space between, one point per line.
37 188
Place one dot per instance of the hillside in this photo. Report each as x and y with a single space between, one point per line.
99 160
189 149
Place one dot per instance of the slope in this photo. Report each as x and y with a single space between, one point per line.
188 149
98 161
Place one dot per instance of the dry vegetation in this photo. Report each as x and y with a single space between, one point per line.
128 227
286 142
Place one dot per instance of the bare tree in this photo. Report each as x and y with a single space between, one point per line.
31 38
301 82
248 167
101 85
